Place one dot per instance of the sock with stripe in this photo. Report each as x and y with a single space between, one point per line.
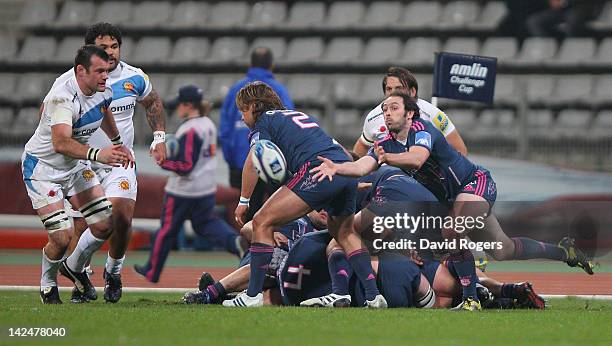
527 248
360 261
463 266
216 292
261 256
340 272
509 291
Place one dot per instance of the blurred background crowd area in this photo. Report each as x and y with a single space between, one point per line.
554 62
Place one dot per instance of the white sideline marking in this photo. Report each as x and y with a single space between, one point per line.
182 290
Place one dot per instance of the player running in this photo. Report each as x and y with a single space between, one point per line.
301 140
73 109
130 85
399 79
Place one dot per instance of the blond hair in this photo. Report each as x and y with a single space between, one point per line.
259 94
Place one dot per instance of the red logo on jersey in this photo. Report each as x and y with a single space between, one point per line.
51 193
383 129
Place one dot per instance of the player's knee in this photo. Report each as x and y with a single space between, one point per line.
503 254
97 211
261 222
56 221
60 240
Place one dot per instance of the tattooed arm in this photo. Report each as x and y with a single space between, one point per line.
155 116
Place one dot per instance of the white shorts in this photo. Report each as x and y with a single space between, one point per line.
46 185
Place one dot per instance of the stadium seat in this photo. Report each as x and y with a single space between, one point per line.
491 15
537 50
602 125
33 86
151 50
228 14
276 44
346 87
306 15
151 14
347 123
425 82
506 90
75 13
6 118
604 20
464 119
26 122
219 86
495 123
183 79
343 51
344 14
66 50
189 14
37 49
575 51
539 123
37 13
540 88
569 89
7 86
602 91
604 53
382 14
420 51
161 84
127 47
267 14
464 45
306 88
9 47
189 50
421 14
382 51
459 14
228 50
503 48
116 12
371 90
572 123
307 49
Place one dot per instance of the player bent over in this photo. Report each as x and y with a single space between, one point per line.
52 165
301 140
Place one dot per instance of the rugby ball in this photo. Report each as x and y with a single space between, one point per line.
172 147
269 162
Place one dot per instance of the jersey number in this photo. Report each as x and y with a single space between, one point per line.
299 118
300 271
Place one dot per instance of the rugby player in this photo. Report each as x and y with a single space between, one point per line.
54 163
301 140
130 85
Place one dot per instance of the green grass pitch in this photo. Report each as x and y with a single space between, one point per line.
155 318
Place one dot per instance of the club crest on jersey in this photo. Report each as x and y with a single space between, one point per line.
128 86
124 185
88 174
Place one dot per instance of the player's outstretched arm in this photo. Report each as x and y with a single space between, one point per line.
249 180
414 158
327 169
110 128
63 143
157 121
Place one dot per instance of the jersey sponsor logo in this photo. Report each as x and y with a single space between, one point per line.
124 185
88 174
87 132
441 121
475 70
423 138
119 109
374 117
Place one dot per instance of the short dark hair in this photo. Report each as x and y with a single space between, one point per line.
84 54
100 30
405 77
259 94
410 103
262 57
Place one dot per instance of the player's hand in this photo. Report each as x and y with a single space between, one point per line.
158 152
114 156
130 162
414 257
327 169
364 186
380 153
240 214
280 239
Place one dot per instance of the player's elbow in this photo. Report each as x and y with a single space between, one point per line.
59 145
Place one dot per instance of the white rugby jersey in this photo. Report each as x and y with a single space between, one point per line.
374 128
87 114
129 85
195 163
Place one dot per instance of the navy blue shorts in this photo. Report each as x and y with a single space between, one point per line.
483 185
337 197
429 269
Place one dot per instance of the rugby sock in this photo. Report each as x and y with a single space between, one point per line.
113 266
215 291
509 291
360 261
464 266
261 256
87 245
340 272
527 248
49 271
